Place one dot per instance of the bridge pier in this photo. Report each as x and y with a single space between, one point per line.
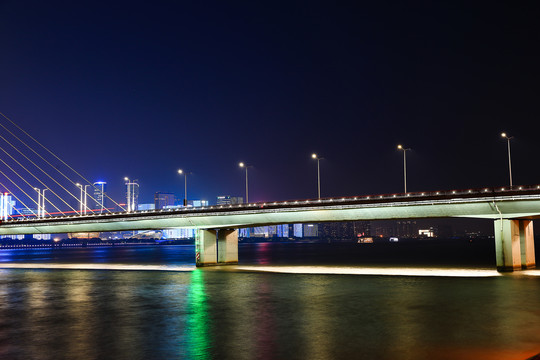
216 247
227 246
514 245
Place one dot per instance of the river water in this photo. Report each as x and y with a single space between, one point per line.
436 300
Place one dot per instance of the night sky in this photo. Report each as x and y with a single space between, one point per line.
141 89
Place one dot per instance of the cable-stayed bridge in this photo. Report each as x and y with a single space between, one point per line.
512 209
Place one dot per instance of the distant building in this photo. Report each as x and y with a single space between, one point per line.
100 196
6 205
310 230
229 200
178 233
132 194
26 211
406 228
426 232
338 231
198 203
162 199
400 228
146 207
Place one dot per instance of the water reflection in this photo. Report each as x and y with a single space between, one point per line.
317 310
283 312
197 322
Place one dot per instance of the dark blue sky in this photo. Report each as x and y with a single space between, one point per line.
141 89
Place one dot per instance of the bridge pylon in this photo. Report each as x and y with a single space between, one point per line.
514 245
216 247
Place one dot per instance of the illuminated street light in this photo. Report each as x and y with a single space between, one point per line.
314 156
85 199
504 135
242 165
400 147
180 171
41 202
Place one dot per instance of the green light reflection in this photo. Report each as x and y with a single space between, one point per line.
198 323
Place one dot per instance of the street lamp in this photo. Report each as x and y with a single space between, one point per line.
314 156
41 202
242 165
85 199
404 164
504 135
180 171
38 202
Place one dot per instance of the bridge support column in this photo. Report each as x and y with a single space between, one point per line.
216 247
228 246
526 242
205 247
514 244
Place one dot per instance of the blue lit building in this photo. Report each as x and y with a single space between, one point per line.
100 195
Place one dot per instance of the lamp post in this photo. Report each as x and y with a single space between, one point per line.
38 202
316 157
504 135
400 147
242 165
85 199
180 171
81 201
41 202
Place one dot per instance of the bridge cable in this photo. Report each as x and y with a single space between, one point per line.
54 155
23 179
41 182
33 163
76 198
14 183
16 198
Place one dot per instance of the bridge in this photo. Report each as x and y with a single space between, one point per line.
29 167
511 209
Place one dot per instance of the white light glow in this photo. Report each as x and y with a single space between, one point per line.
97 267
329 270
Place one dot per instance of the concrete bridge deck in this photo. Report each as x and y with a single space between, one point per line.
491 203
512 210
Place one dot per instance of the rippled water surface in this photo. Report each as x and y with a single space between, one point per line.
261 310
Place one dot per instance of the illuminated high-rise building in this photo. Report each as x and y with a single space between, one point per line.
132 194
310 230
6 205
229 200
162 200
100 196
